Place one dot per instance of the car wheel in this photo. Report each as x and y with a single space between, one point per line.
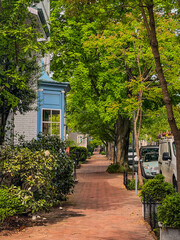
145 176
143 173
175 184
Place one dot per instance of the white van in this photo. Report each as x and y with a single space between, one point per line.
167 160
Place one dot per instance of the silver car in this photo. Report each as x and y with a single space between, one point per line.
149 165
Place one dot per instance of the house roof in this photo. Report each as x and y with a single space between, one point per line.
45 79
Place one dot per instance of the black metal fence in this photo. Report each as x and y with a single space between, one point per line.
149 207
150 211
125 178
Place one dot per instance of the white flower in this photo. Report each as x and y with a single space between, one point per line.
47 153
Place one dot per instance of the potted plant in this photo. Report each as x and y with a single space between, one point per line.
169 217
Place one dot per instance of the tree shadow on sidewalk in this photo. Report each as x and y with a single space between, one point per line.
18 224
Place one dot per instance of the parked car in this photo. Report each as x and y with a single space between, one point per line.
147 149
149 165
130 156
167 160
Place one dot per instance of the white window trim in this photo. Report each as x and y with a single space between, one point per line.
64 127
51 109
78 139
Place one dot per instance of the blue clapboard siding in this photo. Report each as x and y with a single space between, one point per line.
51 95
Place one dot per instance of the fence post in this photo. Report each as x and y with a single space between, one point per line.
150 210
144 202
75 175
74 169
155 215
125 178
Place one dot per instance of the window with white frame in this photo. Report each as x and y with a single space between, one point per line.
51 120
79 138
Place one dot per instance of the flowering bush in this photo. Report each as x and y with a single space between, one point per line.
39 179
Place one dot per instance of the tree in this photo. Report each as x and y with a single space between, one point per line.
18 63
102 60
156 122
148 14
150 9
94 97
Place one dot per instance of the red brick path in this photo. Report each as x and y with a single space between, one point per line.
100 209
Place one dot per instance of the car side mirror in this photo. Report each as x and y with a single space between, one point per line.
166 156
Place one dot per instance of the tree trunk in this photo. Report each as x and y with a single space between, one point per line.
4 113
106 149
136 135
166 97
110 151
115 153
122 128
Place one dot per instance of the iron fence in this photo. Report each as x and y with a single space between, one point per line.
150 211
125 178
150 215
149 207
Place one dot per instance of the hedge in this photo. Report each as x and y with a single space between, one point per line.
78 153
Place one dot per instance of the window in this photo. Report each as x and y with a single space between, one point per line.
174 148
151 157
79 139
51 122
169 147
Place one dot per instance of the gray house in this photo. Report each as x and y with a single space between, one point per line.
78 138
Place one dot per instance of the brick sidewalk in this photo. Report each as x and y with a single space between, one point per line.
100 209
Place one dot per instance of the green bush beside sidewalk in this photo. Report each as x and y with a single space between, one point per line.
37 173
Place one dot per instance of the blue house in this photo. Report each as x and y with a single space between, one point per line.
51 115
48 115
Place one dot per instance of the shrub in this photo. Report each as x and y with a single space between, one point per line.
70 143
64 165
78 153
89 154
39 181
52 143
103 153
9 204
115 168
131 184
156 189
90 148
169 211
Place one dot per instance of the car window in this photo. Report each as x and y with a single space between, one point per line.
131 150
169 149
151 157
174 148
147 150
